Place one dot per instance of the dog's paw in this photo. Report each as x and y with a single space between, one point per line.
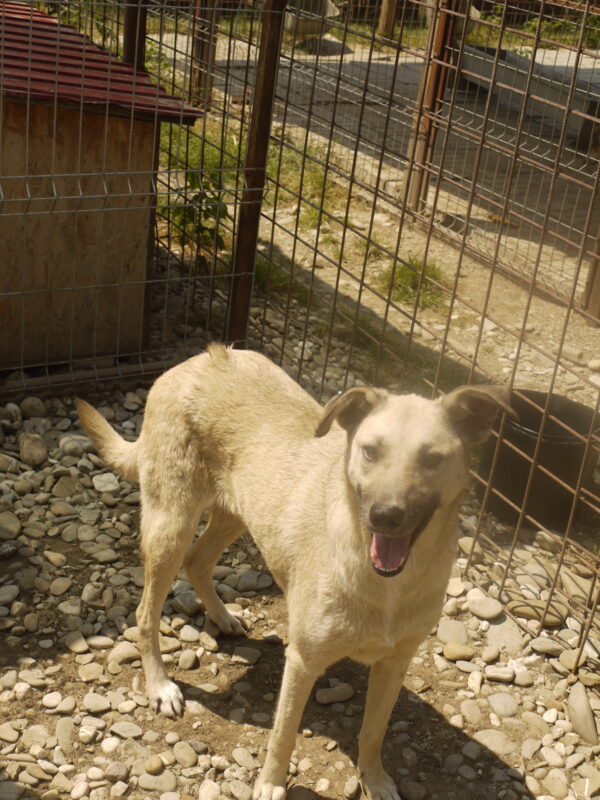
268 791
231 623
166 698
379 786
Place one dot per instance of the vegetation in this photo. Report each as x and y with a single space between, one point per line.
403 279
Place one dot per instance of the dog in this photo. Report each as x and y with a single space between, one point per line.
354 506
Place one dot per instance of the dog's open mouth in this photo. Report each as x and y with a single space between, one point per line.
389 554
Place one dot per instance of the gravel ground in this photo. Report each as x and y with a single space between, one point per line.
488 711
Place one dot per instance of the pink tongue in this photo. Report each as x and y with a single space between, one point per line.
387 552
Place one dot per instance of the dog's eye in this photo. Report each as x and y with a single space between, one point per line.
370 453
431 460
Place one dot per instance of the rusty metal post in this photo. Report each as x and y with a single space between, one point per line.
246 240
134 34
429 100
204 50
591 297
387 18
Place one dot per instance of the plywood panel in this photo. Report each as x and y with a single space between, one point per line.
74 228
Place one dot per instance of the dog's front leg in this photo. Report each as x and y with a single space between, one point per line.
299 677
385 681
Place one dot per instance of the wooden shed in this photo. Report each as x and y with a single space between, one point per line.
79 135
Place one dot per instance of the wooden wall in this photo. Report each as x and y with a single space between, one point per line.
74 232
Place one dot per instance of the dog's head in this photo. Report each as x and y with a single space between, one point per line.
406 458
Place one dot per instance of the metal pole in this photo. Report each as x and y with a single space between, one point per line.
134 34
204 50
591 298
431 94
246 239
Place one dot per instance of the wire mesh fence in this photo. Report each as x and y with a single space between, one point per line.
429 217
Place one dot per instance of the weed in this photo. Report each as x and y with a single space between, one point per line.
401 280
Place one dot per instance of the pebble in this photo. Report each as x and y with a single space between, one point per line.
154 765
581 714
499 674
485 608
335 694
209 790
456 651
450 630
106 482
185 754
127 730
503 704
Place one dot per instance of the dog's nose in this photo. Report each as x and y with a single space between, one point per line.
385 518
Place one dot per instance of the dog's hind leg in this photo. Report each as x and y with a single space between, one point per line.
166 534
200 560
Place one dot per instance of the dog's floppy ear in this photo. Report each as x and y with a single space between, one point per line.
349 408
472 410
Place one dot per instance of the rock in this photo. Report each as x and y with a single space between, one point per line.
71 607
105 556
167 782
75 642
546 646
90 672
123 653
8 733
495 740
455 651
351 787
154 765
60 586
455 587
56 559
499 674
209 790
411 790
96 703
244 759
32 449
245 655
106 482
187 659
534 609
555 783
185 754
503 704
335 694
581 714
490 653
568 658
127 730
240 790
450 630
505 634
537 726
8 594
52 699
485 608
10 525
471 712
189 634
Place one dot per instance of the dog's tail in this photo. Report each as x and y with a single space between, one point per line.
117 452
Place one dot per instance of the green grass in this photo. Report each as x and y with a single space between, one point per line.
401 282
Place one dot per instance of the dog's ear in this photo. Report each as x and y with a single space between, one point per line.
472 410
349 408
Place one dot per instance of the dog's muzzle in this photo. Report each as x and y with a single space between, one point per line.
390 550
